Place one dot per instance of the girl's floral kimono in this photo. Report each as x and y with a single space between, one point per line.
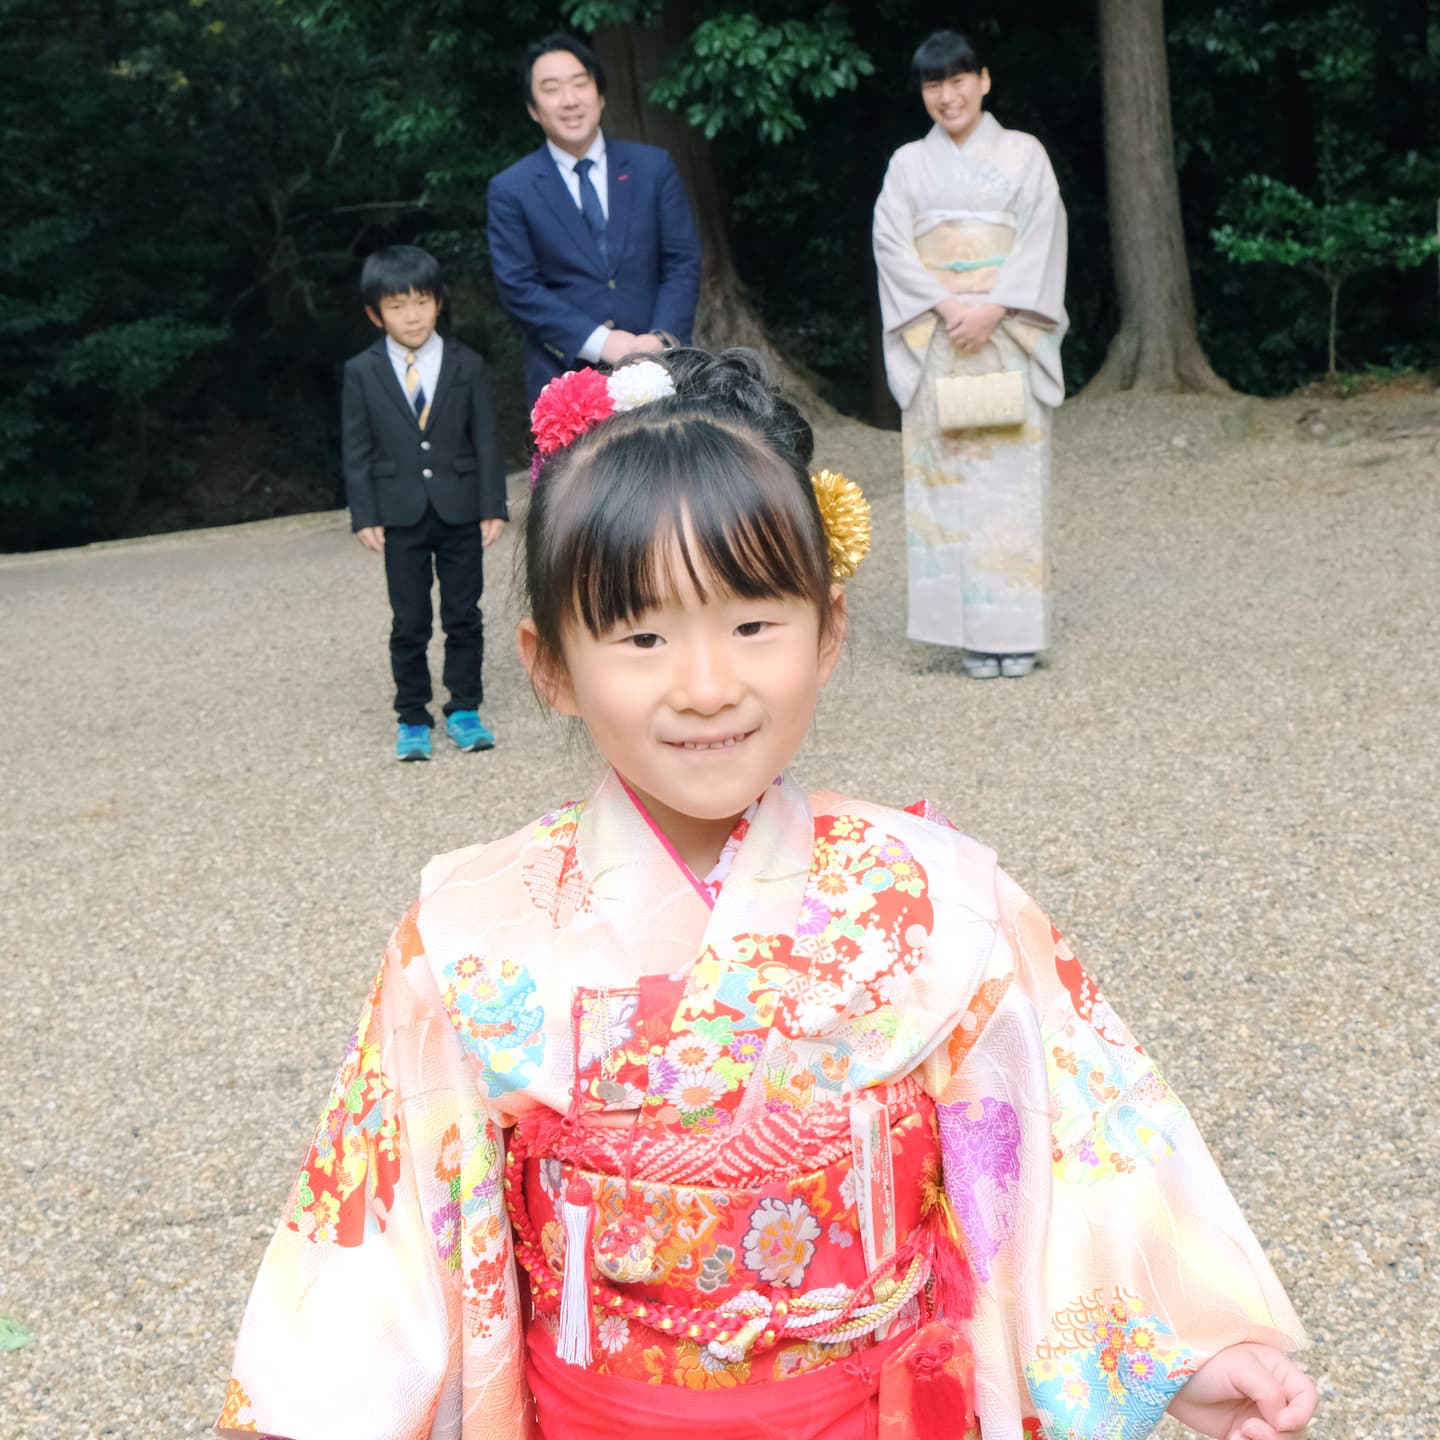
742 1091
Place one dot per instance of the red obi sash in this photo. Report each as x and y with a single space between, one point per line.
723 1261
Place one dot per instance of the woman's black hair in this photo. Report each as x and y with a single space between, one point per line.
943 54
558 40
399 269
722 468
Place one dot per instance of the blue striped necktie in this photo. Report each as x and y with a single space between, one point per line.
591 208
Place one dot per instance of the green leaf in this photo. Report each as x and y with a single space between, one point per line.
13 1335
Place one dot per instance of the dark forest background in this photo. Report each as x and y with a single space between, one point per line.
189 189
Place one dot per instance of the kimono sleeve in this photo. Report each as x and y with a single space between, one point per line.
907 289
1111 1257
1032 279
385 1305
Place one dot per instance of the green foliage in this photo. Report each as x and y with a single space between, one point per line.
190 189
136 357
1342 189
1271 221
739 71
590 15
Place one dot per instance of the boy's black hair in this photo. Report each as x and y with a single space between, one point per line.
721 468
943 54
558 40
399 269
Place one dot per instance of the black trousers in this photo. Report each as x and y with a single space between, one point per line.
457 554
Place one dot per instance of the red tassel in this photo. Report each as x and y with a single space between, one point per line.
953 1290
942 1396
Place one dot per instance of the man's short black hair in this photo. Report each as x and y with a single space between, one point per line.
399 269
943 54
557 40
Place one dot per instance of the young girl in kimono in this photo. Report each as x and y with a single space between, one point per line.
709 1107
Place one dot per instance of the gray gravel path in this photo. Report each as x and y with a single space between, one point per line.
1222 786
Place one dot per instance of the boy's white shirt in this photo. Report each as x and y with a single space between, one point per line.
427 361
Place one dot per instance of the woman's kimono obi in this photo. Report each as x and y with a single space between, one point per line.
839 1136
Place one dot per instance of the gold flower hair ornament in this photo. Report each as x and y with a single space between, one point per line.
846 514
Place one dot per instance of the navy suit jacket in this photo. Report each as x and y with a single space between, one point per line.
393 468
548 269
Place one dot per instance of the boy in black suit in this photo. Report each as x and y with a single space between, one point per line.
424 480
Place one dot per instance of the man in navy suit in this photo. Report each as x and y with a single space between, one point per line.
591 243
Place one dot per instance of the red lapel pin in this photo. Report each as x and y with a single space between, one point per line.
621 177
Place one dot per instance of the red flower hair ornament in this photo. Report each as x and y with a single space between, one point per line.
579 400
576 401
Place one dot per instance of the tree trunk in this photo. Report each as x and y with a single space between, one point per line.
1156 347
633 58
1334 324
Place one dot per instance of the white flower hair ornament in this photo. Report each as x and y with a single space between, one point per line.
578 400
632 386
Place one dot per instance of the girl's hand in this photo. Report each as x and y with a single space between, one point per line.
970 326
1247 1392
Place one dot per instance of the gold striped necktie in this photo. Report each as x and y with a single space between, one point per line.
415 389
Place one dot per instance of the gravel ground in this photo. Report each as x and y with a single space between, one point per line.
1216 784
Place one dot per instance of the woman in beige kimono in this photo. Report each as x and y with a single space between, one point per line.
970 245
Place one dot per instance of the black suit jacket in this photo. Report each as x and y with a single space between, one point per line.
393 467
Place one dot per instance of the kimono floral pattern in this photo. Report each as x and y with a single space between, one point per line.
550 869
348 1179
981 1146
865 910
394 1261
445 1222
494 1007
485 1249
1110 1370
780 1242
1113 1114
1085 995
831 991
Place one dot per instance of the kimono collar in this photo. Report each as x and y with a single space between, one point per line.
985 133
628 861
708 888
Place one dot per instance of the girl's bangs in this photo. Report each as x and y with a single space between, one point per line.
739 527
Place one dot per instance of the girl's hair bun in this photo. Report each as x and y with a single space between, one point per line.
738 381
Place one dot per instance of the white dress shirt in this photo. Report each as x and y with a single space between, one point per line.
427 362
599 177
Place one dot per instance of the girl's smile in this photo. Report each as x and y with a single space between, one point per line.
700 702
726 742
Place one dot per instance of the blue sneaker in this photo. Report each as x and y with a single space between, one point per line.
464 727
412 742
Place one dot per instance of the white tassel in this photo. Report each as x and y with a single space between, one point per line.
573 1344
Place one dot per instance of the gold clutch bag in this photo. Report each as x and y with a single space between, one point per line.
972 402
